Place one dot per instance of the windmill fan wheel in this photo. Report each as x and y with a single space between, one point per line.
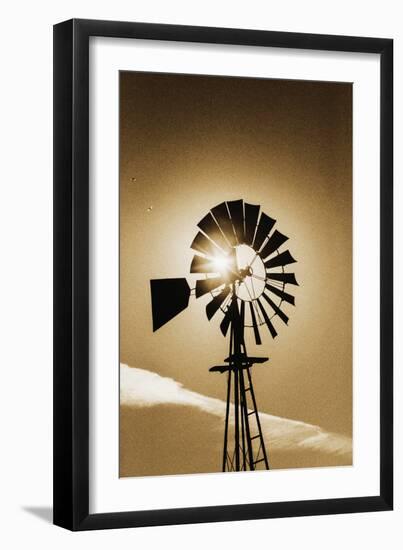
239 253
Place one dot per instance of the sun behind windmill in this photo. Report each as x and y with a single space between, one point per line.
245 274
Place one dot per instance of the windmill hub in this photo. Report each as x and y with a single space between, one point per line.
252 273
247 272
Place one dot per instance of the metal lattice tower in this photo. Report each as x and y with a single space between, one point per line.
244 448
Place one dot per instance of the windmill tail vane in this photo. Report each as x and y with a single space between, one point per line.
243 267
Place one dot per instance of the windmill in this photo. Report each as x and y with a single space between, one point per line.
244 272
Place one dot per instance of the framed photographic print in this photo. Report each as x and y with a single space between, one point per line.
223 274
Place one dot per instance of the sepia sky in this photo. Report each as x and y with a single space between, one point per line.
188 143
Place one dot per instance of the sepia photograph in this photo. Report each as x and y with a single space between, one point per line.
235 274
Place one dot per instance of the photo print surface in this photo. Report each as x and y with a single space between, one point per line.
235 274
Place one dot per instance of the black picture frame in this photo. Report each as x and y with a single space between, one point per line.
71 273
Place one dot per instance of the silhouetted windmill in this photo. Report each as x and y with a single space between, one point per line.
245 275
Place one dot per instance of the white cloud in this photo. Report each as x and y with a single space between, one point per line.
142 388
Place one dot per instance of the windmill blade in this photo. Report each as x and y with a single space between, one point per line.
269 324
254 323
211 229
207 285
225 323
283 295
232 316
200 264
274 242
287 278
220 213
236 212
284 258
280 313
202 244
168 298
213 306
263 229
251 215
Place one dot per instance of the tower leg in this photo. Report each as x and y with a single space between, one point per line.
245 416
225 453
236 404
262 446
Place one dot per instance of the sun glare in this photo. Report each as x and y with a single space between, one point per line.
220 264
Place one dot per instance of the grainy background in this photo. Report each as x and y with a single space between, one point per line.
188 143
